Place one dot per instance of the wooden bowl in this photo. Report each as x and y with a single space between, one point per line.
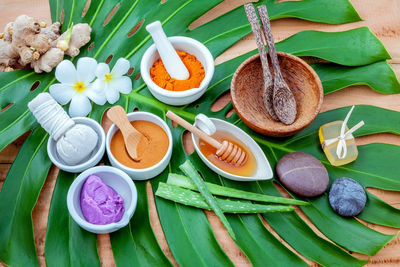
247 94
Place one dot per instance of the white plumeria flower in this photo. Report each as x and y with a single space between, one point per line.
75 86
113 83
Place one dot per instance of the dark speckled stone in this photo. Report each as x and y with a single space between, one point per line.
303 174
347 197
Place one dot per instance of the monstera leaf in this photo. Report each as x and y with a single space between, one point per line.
355 56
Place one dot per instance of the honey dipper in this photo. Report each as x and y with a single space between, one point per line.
226 150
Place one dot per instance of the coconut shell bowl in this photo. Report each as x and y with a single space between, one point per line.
247 94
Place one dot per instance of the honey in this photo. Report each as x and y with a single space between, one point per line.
247 169
332 130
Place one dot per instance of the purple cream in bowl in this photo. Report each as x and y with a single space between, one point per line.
100 204
102 199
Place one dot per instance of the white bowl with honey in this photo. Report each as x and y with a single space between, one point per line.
154 156
255 168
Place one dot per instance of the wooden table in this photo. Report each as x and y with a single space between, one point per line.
381 16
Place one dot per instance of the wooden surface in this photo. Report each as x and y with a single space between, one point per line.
381 16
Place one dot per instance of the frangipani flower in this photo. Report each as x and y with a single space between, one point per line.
113 83
75 86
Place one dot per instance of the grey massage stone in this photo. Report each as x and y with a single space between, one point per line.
303 174
347 197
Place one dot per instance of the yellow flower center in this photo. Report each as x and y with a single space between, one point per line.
108 77
79 87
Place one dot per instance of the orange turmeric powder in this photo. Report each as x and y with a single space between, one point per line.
160 76
150 153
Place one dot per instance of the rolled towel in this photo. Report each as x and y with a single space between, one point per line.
75 142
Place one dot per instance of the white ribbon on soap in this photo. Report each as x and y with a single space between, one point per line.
341 150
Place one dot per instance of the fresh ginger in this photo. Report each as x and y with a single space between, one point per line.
29 42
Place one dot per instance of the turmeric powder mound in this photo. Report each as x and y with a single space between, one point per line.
160 76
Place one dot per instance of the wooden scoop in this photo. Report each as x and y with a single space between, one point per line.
226 151
131 136
268 79
283 99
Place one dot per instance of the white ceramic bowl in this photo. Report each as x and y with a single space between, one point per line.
114 178
190 46
91 160
263 171
147 173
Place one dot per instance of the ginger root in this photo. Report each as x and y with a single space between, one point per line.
26 42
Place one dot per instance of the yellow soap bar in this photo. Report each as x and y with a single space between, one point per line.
332 130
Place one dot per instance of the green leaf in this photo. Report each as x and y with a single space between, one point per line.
18 196
369 241
358 46
16 120
335 77
67 244
187 230
303 239
293 229
314 10
379 212
342 11
136 244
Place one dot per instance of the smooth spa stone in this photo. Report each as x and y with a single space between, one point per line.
100 204
303 174
347 197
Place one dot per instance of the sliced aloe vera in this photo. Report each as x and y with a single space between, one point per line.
183 181
188 169
194 199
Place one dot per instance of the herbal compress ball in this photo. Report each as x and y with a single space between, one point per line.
303 174
347 197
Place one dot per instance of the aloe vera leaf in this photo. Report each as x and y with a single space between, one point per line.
18 196
335 77
183 181
358 46
188 169
194 199
72 237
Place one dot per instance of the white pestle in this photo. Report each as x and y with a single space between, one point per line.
75 142
171 60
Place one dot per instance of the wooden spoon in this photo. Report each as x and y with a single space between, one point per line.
283 99
226 151
268 81
132 137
